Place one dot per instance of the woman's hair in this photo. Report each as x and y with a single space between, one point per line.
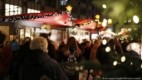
39 43
72 41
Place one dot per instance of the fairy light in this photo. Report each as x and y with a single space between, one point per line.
27 17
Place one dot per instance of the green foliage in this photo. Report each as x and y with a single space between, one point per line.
120 10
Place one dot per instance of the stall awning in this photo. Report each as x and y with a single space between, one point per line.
51 18
62 19
86 24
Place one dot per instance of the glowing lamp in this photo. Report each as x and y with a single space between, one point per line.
69 8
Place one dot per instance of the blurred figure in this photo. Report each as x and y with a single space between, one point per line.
93 53
15 46
134 49
118 46
60 55
87 50
124 45
51 47
6 57
19 57
37 65
71 55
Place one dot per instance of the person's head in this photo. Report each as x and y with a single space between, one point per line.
72 43
45 35
39 43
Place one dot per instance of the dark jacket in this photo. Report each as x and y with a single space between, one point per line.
39 66
5 59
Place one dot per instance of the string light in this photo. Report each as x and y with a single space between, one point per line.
31 16
86 23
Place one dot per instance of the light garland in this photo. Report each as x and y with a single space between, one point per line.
85 23
30 16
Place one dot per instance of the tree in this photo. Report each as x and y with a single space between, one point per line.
121 12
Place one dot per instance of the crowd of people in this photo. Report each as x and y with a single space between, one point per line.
42 59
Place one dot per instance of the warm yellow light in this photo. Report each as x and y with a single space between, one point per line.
97 16
104 6
69 8
109 21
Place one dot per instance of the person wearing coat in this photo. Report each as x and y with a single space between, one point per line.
37 65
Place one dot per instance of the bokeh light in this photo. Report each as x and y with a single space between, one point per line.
77 68
104 41
108 49
131 63
104 6
115 63
91 71
136 19
81 67
123 59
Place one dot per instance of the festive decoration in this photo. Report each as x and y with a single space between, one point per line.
86 24
52 18
69 8
27 16
63 19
